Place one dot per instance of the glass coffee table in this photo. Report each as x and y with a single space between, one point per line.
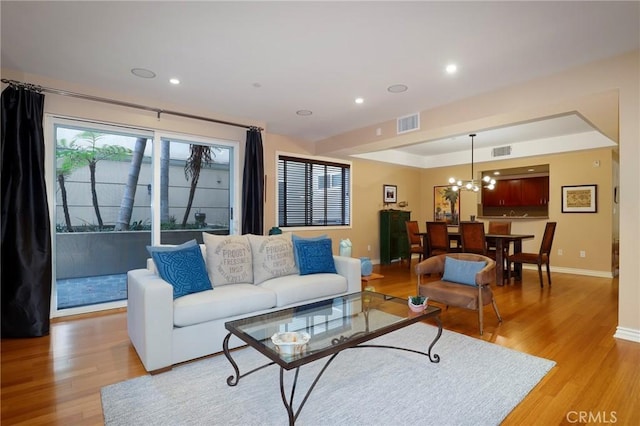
333 325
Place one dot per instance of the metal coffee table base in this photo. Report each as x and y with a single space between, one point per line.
287 400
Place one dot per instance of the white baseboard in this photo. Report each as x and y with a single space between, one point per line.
575 271
559 269
627 334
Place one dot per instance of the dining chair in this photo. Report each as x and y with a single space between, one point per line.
499 228
415 241
438 238
536 258
473 239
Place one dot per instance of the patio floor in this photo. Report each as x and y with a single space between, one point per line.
74 292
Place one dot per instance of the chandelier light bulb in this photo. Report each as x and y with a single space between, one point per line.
472 184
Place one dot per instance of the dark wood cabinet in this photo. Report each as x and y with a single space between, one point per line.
517 193
506 193
394 243
535 191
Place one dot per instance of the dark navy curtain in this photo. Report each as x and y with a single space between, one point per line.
25 276
253 184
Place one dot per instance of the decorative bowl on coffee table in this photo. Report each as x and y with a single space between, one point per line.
290 342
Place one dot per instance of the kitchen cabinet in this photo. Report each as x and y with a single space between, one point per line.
535 191
394 243
522 192
505 194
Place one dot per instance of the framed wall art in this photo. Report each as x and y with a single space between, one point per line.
389 194
446 205
580 199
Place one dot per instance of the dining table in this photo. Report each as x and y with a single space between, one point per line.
501 242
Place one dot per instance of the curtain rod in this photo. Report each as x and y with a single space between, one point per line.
158 111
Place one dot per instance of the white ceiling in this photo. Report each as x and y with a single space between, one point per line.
317 56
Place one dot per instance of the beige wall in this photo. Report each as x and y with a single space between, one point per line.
367 180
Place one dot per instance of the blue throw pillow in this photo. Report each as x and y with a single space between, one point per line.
461 271
315 257
295 239
183 267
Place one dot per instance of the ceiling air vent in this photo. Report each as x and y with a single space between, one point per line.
501 151
409 123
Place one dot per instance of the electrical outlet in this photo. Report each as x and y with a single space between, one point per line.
560 252
583 253
369 247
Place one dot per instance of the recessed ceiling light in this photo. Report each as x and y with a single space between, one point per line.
174 81
397 88
496 173
359 100
451 68
531 170
143 73
304 112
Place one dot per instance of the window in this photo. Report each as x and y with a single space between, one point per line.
313 192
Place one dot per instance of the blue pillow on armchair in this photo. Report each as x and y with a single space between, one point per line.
315 256
461 271
182 266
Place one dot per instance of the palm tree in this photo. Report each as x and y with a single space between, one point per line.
452 197
199 155
126 205
66 163
91 155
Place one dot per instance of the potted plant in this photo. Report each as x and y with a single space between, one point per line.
200 218
417 303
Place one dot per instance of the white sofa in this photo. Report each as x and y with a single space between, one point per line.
165 331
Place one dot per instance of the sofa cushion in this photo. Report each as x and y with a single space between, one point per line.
228 259
299 288
223 302
272 256
461 271
315 257
181 266
295 239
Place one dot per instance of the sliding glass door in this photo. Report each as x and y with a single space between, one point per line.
107 181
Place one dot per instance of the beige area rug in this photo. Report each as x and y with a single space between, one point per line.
475 383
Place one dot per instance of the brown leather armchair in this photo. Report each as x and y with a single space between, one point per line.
455 294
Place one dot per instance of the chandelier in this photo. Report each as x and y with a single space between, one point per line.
472 184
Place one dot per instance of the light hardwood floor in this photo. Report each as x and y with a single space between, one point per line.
57 379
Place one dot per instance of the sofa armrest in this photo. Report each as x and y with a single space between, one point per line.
349 268
150 318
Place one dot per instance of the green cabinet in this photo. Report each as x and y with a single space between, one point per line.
394 243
